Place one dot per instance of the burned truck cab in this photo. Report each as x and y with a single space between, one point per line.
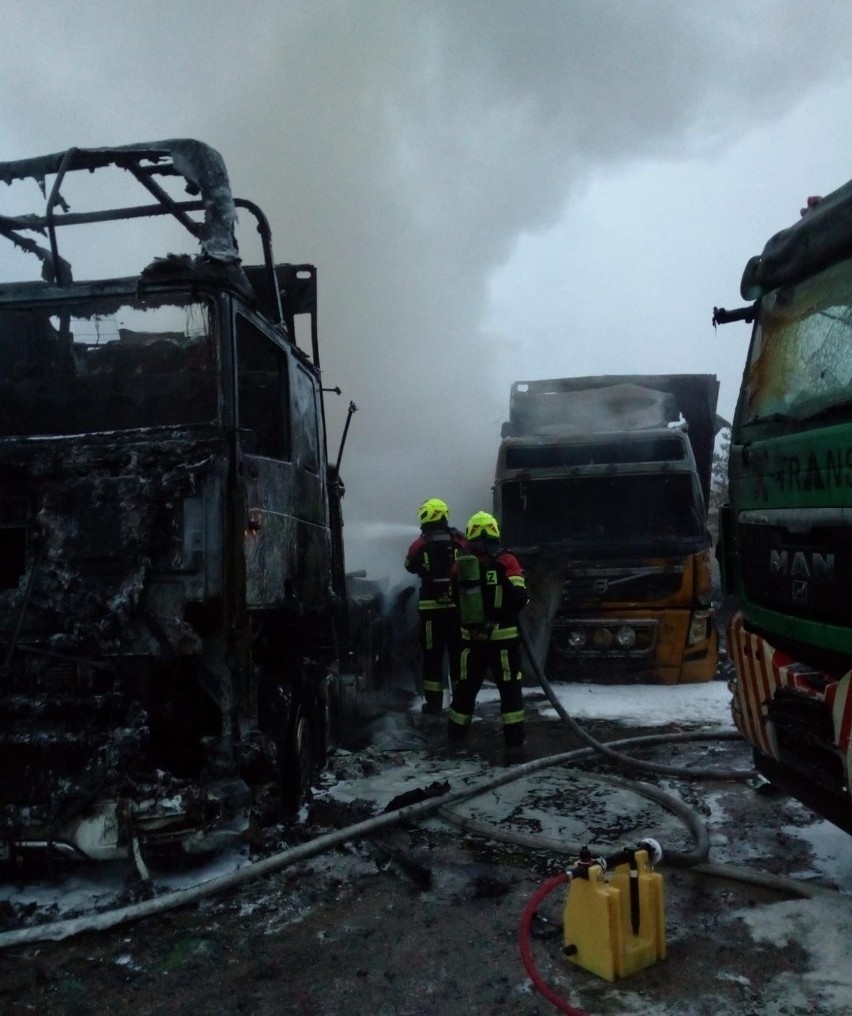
601 488
172 589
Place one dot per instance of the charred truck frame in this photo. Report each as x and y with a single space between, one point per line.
601 489
786 535
173 608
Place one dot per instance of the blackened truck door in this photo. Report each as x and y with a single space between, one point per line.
287 542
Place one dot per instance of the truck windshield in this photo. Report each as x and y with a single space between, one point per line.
620 510
80 367
800 365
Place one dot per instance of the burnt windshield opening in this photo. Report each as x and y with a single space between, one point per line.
540 455
78 367
622 512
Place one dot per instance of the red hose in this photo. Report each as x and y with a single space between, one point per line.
524 945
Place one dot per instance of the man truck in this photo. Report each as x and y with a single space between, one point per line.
175 627
601 489
786 533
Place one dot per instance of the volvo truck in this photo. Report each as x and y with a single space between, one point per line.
601 489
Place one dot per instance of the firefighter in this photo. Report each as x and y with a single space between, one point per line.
489 587
431 557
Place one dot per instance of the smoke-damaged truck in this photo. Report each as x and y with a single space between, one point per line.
601 489
786 533
175 629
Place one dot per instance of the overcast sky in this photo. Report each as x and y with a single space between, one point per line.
491 190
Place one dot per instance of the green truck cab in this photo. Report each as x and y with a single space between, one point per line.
786 533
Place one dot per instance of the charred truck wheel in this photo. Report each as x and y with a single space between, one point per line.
297 762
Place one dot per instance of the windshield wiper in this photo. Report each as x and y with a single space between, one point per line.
835 409
841 408
771 418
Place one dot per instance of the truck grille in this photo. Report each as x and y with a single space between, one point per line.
807 574
804 732
621 585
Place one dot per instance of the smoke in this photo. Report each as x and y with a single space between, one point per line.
404 147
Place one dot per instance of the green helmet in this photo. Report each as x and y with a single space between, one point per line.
433 510
482 525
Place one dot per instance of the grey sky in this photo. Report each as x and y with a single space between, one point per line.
491 190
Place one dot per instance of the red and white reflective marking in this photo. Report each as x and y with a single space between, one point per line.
762 670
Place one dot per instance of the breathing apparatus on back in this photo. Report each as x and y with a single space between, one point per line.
434 516
483 536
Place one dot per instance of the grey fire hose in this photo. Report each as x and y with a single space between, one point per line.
57 930
690 818
629 760
695 858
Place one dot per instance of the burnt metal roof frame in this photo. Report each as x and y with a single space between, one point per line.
165 199
197 163
299 284
61 268
265 233
30 246
138 212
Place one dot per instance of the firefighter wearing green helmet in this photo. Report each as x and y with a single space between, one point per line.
431 557
489 587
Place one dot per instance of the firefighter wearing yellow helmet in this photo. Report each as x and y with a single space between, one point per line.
489 588
431 558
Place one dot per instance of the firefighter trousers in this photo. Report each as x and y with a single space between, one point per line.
502 658
440 637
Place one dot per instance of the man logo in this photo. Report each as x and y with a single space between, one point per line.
802 565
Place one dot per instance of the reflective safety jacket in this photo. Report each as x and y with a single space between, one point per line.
503 590
431 557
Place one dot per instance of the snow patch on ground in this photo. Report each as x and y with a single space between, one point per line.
101 886
823 928
831 850
655 705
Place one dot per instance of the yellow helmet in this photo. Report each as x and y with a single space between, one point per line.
482 525
433 510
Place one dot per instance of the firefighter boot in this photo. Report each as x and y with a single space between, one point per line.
434 704
513 735
457 732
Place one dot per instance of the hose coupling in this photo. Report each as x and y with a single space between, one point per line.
655 850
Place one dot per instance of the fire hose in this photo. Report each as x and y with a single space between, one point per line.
608 751
58 930
530 910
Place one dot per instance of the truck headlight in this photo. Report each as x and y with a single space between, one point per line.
576 638
626 637
602 638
